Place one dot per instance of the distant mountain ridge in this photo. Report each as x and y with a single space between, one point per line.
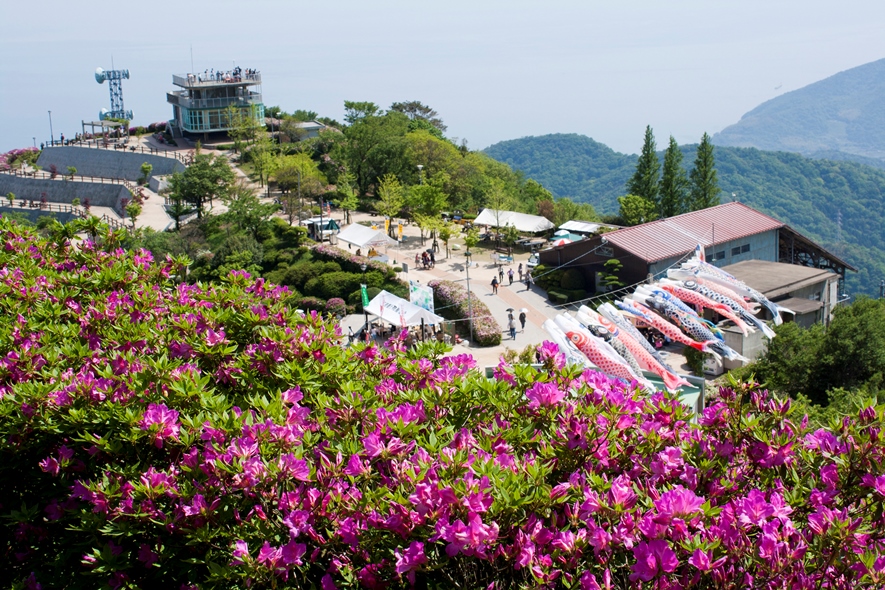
840 117
808 194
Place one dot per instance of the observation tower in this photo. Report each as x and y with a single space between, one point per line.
203 105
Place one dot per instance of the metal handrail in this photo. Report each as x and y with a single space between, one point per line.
118 145
206 103
43 175
192 80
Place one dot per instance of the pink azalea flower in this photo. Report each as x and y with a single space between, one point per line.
653 558
241 552
147 556
292 552
544 394
679 502
875 482
213 337
621 492
410 560
701 560
163 421
294 467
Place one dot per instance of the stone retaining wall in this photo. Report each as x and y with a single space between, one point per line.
106 163
34 214
61 191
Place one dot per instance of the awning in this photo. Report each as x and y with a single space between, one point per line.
521 221
399 312
799 305
364 237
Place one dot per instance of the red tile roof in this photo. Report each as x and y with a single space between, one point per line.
675 236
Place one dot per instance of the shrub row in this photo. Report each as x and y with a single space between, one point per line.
164 435
450 300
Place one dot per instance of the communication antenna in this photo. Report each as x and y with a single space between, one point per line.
115 83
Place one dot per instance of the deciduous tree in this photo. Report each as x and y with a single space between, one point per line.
206 178
416 111
390 197
636 210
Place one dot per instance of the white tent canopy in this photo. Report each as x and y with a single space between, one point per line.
521 221
364 237
399 312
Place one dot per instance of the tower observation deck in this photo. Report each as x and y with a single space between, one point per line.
203 103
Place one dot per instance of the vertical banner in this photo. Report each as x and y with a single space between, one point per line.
387 226
400 231
421 295
365 295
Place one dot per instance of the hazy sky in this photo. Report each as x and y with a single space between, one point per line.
494 70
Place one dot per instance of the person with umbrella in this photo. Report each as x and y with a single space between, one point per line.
522 317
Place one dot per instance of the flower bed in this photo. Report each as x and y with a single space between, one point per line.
351 263
156 435
451 300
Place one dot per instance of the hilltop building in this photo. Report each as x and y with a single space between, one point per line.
730 233
202 105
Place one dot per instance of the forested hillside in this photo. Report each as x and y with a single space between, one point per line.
841 115
807 194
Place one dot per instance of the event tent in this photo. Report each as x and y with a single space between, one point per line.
365 237
399 312
521 221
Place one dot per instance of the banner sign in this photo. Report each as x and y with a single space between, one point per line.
421 295
365 295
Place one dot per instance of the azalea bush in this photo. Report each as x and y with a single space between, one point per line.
12 160
164 435
450 299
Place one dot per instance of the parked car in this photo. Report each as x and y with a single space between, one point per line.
533 261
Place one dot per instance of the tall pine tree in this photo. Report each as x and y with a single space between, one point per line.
674 182
704 183
645 180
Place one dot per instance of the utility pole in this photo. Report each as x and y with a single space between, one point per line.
51 134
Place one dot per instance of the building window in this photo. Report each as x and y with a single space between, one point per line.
745 248
719 255
735 251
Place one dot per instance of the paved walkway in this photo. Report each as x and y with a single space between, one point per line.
516 296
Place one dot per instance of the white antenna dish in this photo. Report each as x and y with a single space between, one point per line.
100 75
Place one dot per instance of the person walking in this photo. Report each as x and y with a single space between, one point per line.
500 274
520 272
350 335
522 320
529 281
494 285
512 325
510 275
432 259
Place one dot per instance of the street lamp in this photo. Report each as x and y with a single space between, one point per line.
420 175
366 327
467 255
